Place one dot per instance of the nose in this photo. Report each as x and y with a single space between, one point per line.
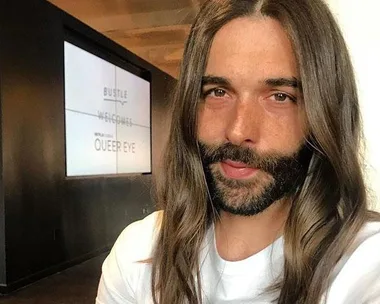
244 123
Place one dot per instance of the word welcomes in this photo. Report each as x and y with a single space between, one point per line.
115 119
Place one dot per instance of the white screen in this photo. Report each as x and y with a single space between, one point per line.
107 117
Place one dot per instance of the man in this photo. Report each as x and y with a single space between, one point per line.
262 193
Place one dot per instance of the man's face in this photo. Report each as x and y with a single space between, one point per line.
251 124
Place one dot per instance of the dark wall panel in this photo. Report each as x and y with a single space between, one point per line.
31 91
51 222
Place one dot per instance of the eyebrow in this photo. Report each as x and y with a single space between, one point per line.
292 82
207 80
284 82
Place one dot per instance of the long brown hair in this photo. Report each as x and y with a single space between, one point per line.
330 208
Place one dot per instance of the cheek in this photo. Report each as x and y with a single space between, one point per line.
287 132
209 128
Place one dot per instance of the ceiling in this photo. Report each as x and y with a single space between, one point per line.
155 30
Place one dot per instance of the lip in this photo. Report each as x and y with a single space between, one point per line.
237 170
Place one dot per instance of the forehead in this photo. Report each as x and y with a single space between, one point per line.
252 48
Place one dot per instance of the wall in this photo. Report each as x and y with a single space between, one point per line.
360 24
48 222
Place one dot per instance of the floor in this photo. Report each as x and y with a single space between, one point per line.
76 285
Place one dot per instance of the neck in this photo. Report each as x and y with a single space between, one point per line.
239 237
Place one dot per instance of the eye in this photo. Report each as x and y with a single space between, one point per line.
283 98
217 92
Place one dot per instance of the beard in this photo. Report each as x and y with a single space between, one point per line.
278 176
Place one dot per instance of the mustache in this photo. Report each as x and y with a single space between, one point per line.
218 153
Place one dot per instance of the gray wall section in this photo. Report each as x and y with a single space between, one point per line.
2 207
49 222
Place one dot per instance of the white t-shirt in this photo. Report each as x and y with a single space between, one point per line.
355 280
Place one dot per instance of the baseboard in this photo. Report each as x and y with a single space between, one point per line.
8 288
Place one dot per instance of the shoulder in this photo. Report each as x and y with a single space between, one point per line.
123 269
356 278
136 241
366 244
370 229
